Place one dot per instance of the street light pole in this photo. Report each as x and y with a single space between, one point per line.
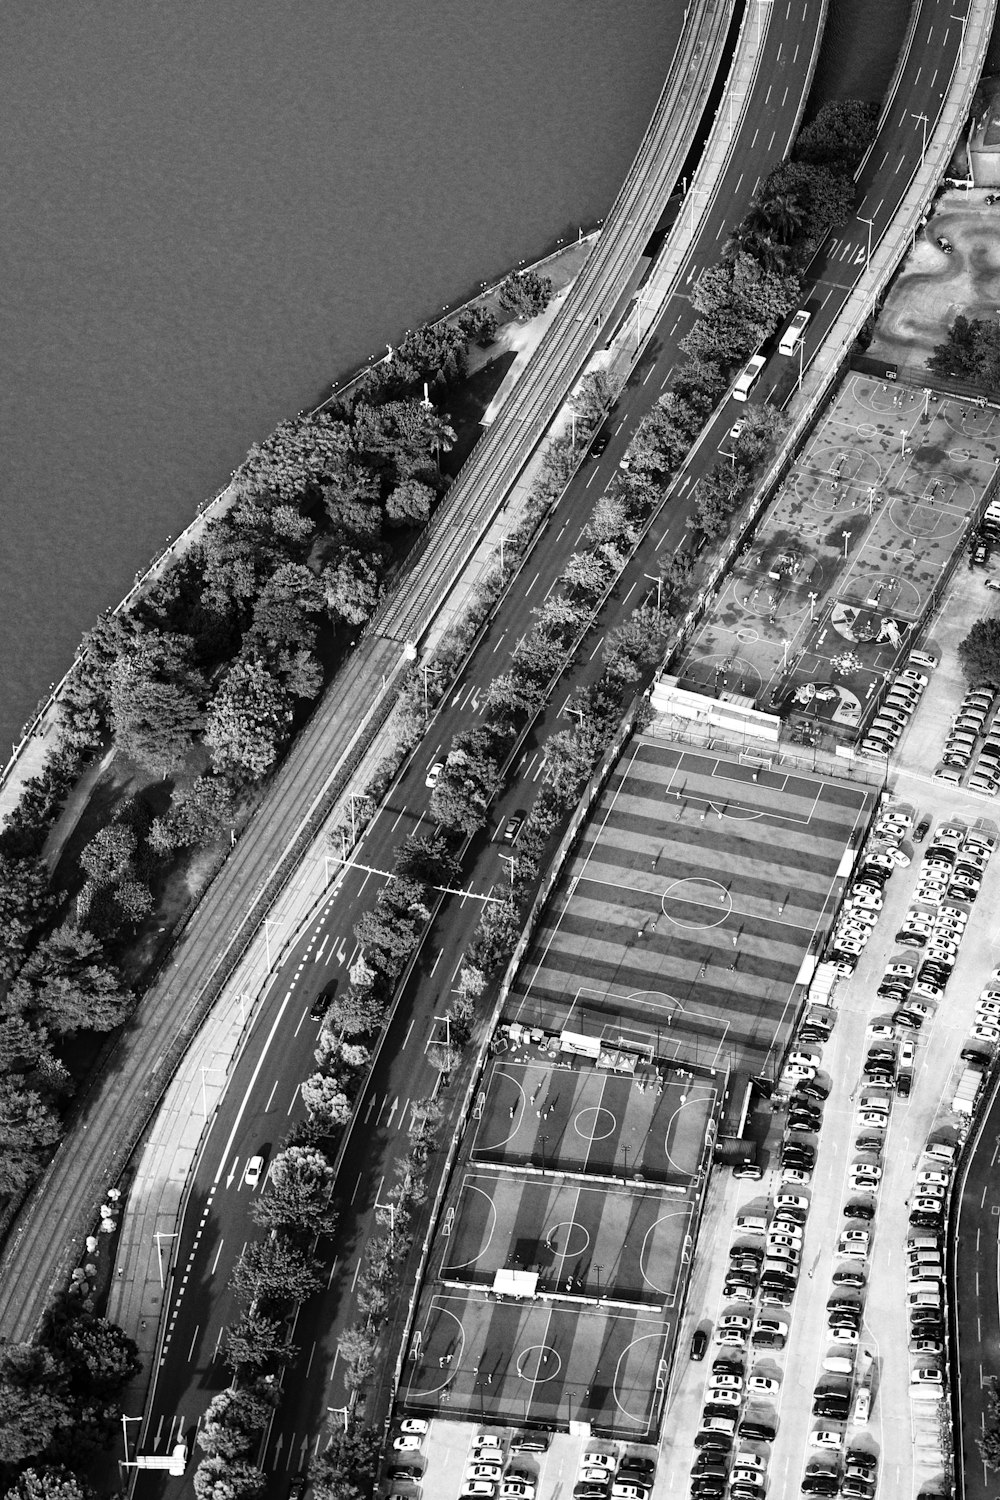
965 21
158 1236
869 222
658 580
923 148
847 537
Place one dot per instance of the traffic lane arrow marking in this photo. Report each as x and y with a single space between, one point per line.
232 1172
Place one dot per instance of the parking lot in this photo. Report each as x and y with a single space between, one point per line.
907 1430
682 924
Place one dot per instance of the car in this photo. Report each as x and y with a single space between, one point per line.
927 1205
865 1461
921 830
707 1489
736 429
858 1489
791 1202
842 1334
479 1489
825 1438
757 1431
984 1032
731 1338
626 1490
869 1143
482 1441
408 1443
819 1484
763 1385
926 1346
881 1054
784 1234
862 1211
254 1171
322 1002
492 1471
914 934
987 1012
699 1343
513 827
814 1089
416 1426
637 1463
600 443
927 1375
434 774
517 1489
734 1323
600 1460
979 781
403 1471
854 1242
297 1486
976 1055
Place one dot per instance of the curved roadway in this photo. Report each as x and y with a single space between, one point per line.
262 1099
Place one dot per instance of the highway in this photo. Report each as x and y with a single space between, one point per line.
976 1271
262 1100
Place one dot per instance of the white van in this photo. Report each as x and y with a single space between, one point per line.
792 335
940 1151
923 659
748 377
838 1364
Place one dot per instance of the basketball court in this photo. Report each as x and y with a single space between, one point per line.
849 554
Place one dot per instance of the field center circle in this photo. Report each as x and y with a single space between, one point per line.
593 1134
538 1357
570 1248
709 893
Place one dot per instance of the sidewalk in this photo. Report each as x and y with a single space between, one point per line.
157 1197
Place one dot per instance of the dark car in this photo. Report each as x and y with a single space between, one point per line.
793 1153
848 1277
977 1056
297 1486
925 1221
831 1406
819 1484
586 1490
699 1343
760 1432
708 1440
403 1471
921 831
859 1211
706 1467
863 1459
812 1089
599 444
707 1489
637 1463
903 1085
322 1003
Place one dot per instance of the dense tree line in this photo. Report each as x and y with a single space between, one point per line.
59 1401
200 683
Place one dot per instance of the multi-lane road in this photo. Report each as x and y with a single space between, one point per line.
262 1100
977 1274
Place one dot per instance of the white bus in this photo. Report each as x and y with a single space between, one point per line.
748 377
792 335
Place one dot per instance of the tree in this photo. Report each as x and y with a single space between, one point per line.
24 905
275 1270
478 324
510 695
109 855
236 1417
287 612
28 1127
70 985
469 784
979 653
762 426
841 132
297 1196
297 455
357 1349
198 815
357 1011
594 395
248 720
971 350
348 1467
426 857
99 1356
227 1479
49 1483
257 1340
156 696
34 1403
525 294
351 585
587 573
409 504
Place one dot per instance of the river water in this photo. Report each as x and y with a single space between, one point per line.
213 210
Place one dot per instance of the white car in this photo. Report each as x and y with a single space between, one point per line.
479 1489
724 1398
763 1385
408 1443
419 1426
865 1169
854 1242
844 1335
593 1473
825 1438
986 1033
987 1011
881 1029
869 1118
626 1490
484 1471
805 1059
434 774
600 1460
252 1175
926 1376
730 1338
799 1071
791 1200
788 1235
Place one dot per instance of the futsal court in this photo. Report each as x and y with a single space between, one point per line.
702 882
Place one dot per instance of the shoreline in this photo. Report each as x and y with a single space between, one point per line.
29 754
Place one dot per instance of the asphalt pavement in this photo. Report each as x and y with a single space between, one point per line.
977 1307
261 1101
